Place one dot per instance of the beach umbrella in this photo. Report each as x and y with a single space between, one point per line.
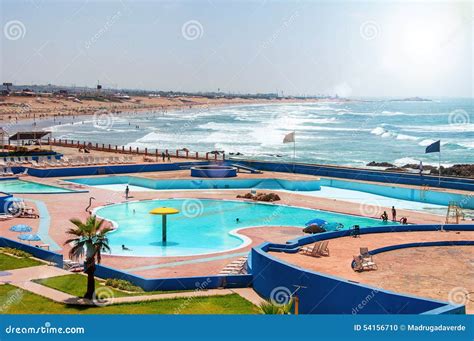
21 228
29 237
316 221
164 211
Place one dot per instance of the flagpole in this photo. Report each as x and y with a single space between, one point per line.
294 150
439 167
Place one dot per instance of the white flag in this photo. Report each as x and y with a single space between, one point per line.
289 138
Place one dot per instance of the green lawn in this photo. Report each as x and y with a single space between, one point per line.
9 263
17 301
76 285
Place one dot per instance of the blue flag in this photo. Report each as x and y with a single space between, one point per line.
435 147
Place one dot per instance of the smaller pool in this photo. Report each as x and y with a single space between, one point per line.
29 187
204 226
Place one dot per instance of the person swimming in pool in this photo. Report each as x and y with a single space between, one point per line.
237 220
124 248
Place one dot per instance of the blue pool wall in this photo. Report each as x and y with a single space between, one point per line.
104 170
362 174
180 283
4 204
37 252
336 295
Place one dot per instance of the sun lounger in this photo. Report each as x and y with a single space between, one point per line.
366 256
311 251
4 216
24 173
324 250
363 265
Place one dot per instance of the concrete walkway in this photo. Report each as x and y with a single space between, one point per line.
23 278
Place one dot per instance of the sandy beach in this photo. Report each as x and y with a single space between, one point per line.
14 109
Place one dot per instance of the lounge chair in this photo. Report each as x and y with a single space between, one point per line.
311 251
366 256
24 173
324 250
4 216
360 264
28 212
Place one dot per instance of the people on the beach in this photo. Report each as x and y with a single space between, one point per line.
394 214
124 248
384 216
127 191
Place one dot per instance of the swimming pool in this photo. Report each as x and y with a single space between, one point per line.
203 225
169 184
407 194
29 187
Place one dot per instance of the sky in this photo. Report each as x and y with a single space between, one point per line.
352 48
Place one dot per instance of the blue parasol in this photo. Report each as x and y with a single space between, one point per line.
317 221
29 237
21 228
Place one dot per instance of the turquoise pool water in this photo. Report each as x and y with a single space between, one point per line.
203 225
169 184
20 186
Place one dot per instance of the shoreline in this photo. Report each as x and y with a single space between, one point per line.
19 110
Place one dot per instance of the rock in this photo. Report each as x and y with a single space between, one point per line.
380 164
313 229
265 197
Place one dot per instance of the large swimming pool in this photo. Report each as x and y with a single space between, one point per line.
203 225
429 200
24 187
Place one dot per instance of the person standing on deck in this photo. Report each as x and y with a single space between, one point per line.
394 214
127 191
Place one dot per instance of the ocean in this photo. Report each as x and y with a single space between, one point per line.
343 133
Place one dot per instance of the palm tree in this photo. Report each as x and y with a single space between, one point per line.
89 239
